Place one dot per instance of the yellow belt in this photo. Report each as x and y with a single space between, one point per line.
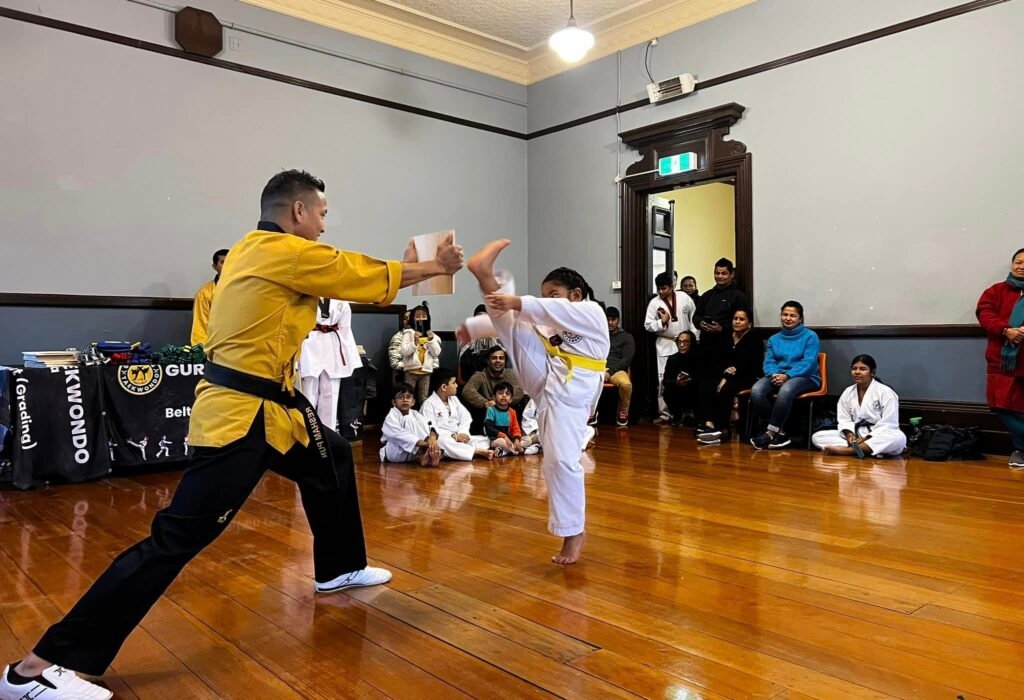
571 359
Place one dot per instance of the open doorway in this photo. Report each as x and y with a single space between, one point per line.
714 164
691 228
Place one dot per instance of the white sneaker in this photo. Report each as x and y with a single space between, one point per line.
54 683
370 576
532 450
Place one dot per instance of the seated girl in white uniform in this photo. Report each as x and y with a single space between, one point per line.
558 343
406 435
446 414
868 417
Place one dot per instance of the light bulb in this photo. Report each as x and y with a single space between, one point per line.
572 43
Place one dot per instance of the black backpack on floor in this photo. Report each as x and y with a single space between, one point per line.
938 443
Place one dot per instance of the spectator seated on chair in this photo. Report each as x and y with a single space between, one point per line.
790 369
478 393
867 417
682 375
732 365
473 355
620 358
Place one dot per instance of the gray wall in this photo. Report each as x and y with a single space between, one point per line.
123 170
903 206
900 227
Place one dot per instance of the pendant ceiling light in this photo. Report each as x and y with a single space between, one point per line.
572 43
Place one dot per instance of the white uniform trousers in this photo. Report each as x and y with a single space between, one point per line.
883 442
392 452
461 451
662 406
323 392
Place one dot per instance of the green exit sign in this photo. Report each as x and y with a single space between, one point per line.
680 163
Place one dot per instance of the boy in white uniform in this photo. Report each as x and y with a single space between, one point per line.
406 435
669 314
558 343
446 414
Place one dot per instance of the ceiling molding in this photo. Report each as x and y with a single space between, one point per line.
634 29
391 24
412 33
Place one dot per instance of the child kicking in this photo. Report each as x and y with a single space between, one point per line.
558 343
451 420
407 436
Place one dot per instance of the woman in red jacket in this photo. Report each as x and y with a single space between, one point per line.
1001 313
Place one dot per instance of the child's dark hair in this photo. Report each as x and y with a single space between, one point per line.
402 388
571 279
503 386
422 307
440 377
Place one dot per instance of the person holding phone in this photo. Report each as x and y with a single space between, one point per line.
421 350
716 307
682 374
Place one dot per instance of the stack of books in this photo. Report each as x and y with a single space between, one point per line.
50 358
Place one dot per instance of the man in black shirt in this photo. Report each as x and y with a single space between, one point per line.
717 305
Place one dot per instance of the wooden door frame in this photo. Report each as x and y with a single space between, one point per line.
703 133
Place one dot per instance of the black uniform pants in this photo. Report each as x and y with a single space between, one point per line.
214 486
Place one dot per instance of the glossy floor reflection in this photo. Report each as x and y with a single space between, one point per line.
715 572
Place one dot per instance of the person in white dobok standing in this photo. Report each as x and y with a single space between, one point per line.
669 314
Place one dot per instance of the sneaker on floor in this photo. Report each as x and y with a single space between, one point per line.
502 452
370 576
623 419
762 441
532 450
779 441
1017 459
593 419
54 683
709 435
708 440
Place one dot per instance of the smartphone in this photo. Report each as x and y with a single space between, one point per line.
422 326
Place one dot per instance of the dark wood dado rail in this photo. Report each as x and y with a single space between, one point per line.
88 301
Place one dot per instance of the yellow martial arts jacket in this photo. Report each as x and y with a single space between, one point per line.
201 312
266 305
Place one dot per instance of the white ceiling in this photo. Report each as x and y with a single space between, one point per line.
504 38
525 24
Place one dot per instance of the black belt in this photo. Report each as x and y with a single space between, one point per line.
269 390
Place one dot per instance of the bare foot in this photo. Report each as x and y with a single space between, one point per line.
571 547
835 450
482 265
425 458
435 457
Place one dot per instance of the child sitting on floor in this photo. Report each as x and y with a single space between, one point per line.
501 424
407 436
451 419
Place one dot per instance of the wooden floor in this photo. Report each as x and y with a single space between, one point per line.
718 573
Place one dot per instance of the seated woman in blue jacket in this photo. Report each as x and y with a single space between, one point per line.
791 369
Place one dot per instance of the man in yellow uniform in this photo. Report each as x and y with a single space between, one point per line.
204 298
247 419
